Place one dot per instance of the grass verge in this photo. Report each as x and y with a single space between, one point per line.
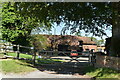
1 55
21 55
22 66
102 72
16 66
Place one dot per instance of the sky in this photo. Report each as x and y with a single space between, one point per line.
56 30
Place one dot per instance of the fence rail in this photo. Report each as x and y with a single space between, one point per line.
8 48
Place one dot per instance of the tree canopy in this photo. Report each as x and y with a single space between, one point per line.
16 28
98 42
20 18
91 17
39 42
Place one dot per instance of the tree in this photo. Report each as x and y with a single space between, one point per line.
17 28
0 23
39 42
74 15
78 34
91 17
98 42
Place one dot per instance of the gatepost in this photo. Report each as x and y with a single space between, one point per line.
18 51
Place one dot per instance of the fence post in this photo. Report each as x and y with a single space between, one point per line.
34 56
5 47
91 58
18 53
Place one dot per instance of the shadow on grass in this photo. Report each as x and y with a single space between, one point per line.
102 72
59 67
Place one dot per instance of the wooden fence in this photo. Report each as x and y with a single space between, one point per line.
8 48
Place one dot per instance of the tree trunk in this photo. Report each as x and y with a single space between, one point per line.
115 41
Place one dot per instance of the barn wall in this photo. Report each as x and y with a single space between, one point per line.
90 47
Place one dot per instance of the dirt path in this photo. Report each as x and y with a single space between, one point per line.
52 71
40 74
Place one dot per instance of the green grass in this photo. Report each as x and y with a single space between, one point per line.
21 66
20 55
102 72
40 61
16 66
1 55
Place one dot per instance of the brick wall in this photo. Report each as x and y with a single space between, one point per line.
107 61
90 47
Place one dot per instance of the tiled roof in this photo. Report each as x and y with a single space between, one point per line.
86 40
69 39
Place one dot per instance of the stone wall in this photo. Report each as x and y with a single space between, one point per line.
108 61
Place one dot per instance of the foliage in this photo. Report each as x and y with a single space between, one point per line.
19 66
98 42
11 23
102 72
78 34
91 17
74 15
17 28
20 55
39 42
1 55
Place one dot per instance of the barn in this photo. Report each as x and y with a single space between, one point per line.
70 42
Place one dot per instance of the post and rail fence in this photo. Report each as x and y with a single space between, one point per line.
8 48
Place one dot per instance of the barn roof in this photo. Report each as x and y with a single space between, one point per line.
86 40
72 40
